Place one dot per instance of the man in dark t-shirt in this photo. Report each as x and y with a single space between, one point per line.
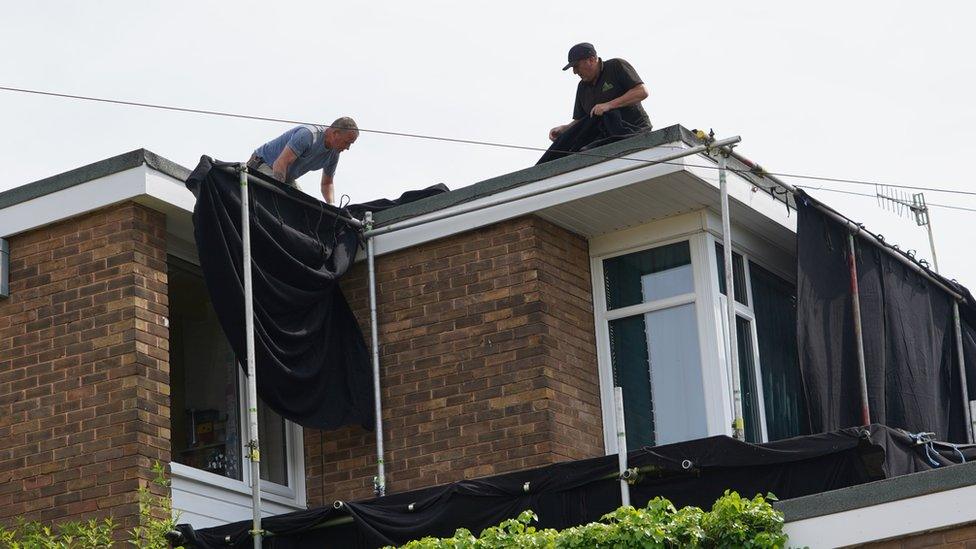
607 105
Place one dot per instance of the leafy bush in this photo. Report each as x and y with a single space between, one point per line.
70 535
155 519
733 522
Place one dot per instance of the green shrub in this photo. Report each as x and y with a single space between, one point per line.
733 522
70 535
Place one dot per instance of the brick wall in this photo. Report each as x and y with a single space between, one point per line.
488 362
84 373
962 537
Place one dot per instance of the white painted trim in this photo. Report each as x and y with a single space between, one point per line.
887 520
406 238
649 235
681 228
139 182
744 192
650 307
206 499
709 342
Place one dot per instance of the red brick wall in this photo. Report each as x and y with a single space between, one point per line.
84 372
962 536
488 362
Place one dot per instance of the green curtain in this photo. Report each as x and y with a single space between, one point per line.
622 274
631 372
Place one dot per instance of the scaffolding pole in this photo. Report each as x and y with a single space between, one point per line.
962 373
618 399
738 424
862 376
379 482
253 449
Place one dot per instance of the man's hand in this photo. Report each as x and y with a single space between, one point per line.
600 108
557 131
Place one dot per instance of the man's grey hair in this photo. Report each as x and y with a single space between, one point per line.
345 124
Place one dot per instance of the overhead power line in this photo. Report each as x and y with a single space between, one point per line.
472 141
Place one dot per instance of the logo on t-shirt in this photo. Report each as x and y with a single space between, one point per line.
607 86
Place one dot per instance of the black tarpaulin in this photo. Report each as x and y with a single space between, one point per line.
312 362
913 377
571 493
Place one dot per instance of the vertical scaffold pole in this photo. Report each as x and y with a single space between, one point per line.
254 453
738 424
858 334
962 372
379 483
618 398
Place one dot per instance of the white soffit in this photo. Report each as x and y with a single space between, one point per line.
445 227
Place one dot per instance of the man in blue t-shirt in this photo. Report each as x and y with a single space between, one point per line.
303 149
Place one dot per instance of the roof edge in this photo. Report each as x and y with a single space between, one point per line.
878 492
494 185
90 172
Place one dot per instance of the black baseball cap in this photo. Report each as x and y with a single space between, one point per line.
579 52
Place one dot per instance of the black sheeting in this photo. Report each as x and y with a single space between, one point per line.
312 362
913 376
591 132
566 494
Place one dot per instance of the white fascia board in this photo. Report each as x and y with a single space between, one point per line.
138 183
744 192
434 230
887 520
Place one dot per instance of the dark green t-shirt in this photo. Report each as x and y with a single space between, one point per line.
616 78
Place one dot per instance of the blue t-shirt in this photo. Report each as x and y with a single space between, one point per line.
308 144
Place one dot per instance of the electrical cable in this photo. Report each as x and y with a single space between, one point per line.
472 141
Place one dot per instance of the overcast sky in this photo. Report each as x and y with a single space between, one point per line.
880 91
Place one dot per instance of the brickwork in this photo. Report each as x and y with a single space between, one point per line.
488 362
84 372
961 537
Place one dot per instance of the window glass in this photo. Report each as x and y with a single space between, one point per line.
628 353
738 274
676 375
747 380
648 275
204 405
775 310
656 361
207 430
271 436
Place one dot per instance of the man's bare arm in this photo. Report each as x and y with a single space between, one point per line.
328 188
633 96
281 164
559 130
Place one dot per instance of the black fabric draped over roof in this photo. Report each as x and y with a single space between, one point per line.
577 492
913 377
313 365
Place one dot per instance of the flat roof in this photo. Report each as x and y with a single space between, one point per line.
89 172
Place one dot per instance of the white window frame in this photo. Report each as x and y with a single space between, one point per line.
702 230
670 231
198 482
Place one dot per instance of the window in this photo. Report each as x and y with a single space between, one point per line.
208 390
772 395
654 349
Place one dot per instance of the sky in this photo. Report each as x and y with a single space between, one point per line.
876 91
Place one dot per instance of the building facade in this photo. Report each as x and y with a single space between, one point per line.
503 331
